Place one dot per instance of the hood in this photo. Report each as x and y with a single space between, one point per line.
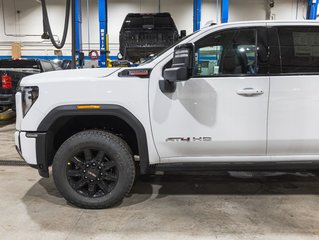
67 75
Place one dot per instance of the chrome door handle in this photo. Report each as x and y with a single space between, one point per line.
248 92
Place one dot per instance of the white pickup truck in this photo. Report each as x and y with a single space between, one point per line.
232 96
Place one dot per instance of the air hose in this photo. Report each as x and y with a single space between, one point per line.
47 27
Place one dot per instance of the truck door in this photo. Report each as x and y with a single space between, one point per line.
222 109
294 100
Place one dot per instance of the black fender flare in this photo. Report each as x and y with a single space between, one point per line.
42 142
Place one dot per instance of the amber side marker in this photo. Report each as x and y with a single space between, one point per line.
88 107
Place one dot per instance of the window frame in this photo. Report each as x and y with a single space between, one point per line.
260 35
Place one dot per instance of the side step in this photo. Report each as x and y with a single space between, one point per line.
231 166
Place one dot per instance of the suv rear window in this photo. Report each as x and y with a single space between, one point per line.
299 48
146 21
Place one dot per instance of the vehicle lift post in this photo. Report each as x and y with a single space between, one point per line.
77 54
224 11
312 9
197 14
104 48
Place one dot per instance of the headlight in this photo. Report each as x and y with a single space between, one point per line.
29 96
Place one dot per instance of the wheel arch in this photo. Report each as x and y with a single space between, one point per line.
54 120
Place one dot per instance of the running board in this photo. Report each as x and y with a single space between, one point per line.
231 166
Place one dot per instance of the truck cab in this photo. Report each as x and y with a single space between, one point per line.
232 97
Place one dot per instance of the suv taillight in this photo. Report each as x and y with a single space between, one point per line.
6 81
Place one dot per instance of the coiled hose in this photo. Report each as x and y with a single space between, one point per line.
47 27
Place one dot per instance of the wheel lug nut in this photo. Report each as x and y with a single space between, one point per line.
84 171
85 177
98 179
99 167
91 181
87 165
101 174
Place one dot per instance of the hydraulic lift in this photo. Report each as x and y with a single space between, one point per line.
77 50
312 9
77 54
76 13
198 9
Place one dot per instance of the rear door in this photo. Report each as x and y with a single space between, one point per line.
293 126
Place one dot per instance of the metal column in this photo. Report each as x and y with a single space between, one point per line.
73 63
312 9
102 5
78 33
197 14
224 11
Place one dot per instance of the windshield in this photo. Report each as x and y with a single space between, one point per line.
163 51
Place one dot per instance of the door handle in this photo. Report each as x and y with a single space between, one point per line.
248 92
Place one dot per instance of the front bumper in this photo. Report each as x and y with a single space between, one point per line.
31 147
6 100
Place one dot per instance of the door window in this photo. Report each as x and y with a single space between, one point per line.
299 47
232 52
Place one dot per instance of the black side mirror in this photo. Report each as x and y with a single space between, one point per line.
182 67
176 74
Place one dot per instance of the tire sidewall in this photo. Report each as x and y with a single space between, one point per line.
115 151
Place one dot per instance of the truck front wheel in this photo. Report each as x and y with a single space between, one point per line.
94 169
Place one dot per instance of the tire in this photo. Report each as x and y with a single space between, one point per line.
78 164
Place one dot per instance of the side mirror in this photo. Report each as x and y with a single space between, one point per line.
182 67
176 74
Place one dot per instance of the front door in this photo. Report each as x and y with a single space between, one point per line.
222 109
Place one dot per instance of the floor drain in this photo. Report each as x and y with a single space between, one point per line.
12 163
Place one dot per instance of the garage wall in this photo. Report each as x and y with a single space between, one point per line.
29 20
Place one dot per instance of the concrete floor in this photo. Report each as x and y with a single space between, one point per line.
7 147
172 206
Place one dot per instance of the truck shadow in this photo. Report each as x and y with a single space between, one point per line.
263 198
203 183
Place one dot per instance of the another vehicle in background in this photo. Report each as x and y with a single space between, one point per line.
144 34
12 71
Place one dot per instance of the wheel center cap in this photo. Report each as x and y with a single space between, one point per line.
92 174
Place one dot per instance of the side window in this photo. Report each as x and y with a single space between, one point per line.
208 60
230 52
47 67
299 47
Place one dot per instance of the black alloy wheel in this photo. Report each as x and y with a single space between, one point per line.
94 169
91 173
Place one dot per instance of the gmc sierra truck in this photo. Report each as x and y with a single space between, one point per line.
236 96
